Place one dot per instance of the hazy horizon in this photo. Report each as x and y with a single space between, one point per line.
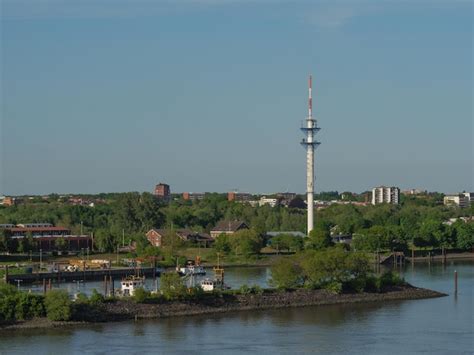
209 96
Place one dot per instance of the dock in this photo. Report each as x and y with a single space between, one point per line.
87 275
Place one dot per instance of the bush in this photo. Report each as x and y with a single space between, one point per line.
29 306
96 297
286 274
8 300
171 286
140 295
334 287
58 305
388 279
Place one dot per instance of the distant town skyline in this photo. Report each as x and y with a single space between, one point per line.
209 96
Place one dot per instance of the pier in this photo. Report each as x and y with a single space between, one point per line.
87 275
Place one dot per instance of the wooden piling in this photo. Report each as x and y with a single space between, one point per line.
49 285
44 286
455 282
105 286
112 287
6 273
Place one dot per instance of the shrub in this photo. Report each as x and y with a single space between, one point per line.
171 286
29 306
96 297
58 305
140 295
334 287
245 290
357 284
286 274
8 298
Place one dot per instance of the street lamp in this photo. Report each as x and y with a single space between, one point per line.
41 259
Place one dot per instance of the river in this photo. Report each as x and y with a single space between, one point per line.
440 325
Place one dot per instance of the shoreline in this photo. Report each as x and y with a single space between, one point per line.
126 310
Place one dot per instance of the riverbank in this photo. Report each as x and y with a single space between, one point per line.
122 309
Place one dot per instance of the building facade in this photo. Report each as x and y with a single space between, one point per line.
383 194
227 227
239 196
193 196
461 200
163 191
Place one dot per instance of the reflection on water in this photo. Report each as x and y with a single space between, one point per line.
440 325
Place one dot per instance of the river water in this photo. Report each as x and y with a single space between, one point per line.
432 326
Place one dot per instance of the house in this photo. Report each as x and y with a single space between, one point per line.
227 227
155 236
342 238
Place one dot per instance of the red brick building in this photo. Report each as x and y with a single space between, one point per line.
155 236
163 192
47 237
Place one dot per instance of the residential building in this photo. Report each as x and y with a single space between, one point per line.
155 236
238 196
461 200
163 191
227 227
193 196
414 192
342 238
469 196
7 201
383 194
268 201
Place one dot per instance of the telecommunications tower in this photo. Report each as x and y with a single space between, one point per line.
310 127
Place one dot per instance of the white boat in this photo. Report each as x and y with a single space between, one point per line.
129 284
209 285
192 270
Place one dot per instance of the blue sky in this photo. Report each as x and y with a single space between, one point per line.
208 95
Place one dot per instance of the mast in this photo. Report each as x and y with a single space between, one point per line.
310 127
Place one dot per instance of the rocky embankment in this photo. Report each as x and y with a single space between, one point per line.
125 309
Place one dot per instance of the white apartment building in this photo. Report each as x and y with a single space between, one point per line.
268 201
383 194
461 200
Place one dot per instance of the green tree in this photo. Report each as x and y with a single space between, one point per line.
222 244
464 235
58 305
246 242
171 286
319 238
286 274
333 265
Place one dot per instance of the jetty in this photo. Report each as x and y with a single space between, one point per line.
86 275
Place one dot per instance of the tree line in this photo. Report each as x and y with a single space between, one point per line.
418 220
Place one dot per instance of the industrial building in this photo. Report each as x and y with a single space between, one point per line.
46 235
384 194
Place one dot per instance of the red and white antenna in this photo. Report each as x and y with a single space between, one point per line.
310 97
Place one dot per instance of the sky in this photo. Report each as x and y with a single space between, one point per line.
209 95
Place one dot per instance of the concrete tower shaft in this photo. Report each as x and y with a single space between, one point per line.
310 127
